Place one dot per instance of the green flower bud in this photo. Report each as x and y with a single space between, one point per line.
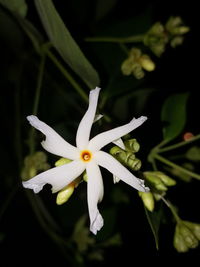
146 63
177 40
138 72
65 194
148 200
136 62
62 161
127 67
132 145
33 164
165 179
126 158
85 177
155 181
175 26
184 238
194 227
157 29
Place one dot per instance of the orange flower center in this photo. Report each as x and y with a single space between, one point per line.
86 155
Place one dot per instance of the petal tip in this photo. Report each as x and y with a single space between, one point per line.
143 187
33 120
97 224
35 187
95 91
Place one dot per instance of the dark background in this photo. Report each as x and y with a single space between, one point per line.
22 239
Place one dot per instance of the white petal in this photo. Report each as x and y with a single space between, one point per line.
115 167
83 132
58 177
107 137
94 195
97 117
119 143
54 143
115 179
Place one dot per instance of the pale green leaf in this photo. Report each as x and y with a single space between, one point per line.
154 219
64 43
174 115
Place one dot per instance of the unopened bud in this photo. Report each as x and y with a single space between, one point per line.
147 64
155 181
184 238
194 227
148 200
65 194
132 145
127 67
62 161
165 179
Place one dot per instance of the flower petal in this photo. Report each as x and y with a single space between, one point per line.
119 142
54 143
94 195
58 177
83 132
107 137
108 162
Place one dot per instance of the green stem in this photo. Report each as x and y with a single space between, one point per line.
173 165
36 101
132 39
171 207
66 74
180 144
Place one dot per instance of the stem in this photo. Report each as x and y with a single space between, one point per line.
36 100
132 39
171 207
66 74
180 144
173 165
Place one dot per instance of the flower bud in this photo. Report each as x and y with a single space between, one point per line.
85 177
175 26
126 67
33 164
148 200
132 145
194 227
184 238
165 179
126 158
155 181
146 63
177 40
65 194
62 161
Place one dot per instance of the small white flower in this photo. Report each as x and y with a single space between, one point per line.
85 156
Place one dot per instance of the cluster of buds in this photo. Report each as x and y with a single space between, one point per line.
187 236
160 35
136 63
127 155
33 164
159 183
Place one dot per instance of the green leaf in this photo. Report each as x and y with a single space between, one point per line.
174 115
65 44
154 219
17 6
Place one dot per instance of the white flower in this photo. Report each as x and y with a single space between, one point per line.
85 156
